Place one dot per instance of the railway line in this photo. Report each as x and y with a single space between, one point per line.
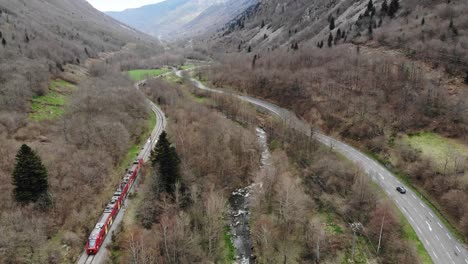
89 259
441 245
110 221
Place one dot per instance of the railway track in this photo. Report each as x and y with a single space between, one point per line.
89 259
144 154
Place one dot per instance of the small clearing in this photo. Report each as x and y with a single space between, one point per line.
51 105
438 148
141 74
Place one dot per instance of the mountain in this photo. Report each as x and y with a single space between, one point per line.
176 18
374 72
60 64
40 36
215 17
432 29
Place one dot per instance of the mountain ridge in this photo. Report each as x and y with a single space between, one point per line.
173 19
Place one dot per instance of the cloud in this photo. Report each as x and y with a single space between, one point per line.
119 5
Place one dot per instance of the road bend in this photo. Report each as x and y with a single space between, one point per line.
439 242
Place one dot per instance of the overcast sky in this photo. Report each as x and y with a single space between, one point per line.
119 5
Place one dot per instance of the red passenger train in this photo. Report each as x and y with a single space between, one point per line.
104 224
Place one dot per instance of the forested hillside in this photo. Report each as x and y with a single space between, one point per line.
303 198
56 90
387 76
38 38
434 30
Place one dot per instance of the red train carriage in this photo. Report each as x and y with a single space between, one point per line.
99 233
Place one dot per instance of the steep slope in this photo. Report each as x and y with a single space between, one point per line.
435 30
40 37
62 94
176 18
150 18
373 72
215 17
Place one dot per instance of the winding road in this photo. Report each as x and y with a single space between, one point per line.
441 245
101 256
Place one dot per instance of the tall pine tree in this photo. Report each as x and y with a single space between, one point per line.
164 158
332 23
384 10
393 8
29 177
370 8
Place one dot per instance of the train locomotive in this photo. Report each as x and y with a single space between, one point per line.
99 233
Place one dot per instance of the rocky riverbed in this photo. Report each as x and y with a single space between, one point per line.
240 213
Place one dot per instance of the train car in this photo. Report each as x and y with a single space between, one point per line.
99 233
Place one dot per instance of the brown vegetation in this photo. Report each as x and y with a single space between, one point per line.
304 184
43 40
41 37
366 99
79 156
435 31
217 155
316 183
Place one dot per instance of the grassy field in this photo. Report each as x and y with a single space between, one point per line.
174 79
422 194
141 74
51 105
187 67
436 147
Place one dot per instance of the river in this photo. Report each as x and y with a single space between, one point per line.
240 213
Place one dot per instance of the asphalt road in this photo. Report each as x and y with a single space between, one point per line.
441 245
144 154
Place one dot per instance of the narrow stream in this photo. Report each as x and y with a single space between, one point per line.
239 211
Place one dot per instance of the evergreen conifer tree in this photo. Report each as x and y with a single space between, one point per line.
330 40
332 23
164 158
370 7
29 176
393 8
384 10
